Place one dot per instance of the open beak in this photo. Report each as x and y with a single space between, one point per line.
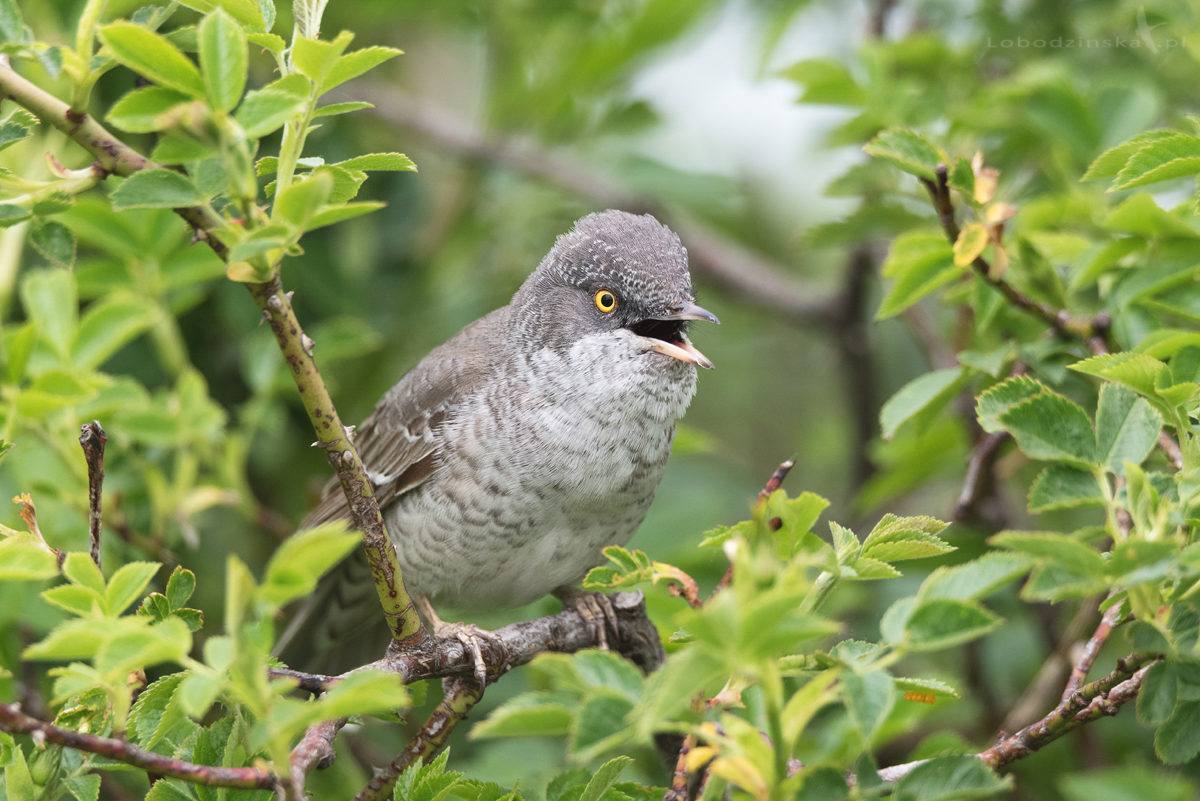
665 334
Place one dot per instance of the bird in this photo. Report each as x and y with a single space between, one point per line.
512 454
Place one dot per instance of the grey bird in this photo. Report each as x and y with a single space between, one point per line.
511 455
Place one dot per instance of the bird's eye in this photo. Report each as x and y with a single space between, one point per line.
605 301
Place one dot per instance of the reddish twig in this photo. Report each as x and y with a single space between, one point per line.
772 484
1091 650
92 439
979 472
14 721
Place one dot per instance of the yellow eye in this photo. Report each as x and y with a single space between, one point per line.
605 301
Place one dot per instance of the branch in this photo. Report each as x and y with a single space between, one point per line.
92 439
1058 319
1091 650
13 720
116 157
718 258
457 699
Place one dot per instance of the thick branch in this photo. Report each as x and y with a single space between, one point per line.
13 720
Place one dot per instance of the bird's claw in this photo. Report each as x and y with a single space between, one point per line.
596 610
471 636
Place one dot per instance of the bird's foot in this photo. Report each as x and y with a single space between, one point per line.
596 610
471 636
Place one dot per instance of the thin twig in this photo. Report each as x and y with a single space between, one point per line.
977 482
458 698
92 439
14 721
1091 650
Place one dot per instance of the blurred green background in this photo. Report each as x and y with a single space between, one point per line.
523 115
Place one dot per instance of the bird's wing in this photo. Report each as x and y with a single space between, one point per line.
399 442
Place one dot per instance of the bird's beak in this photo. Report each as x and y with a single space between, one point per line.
681 348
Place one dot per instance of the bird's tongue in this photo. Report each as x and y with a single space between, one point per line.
682 350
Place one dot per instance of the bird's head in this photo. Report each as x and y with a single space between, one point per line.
613 272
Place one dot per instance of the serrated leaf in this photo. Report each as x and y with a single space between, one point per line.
1159 693
975 579
535 714
265 110
146 109
1110 162
315 58
998 399
869 698
950 778
939 623
127 584
355 63
180 586
80 569
75 599
931 686
148 710
51 302
159 188
909 151
1127 428
1060 486
108 325
55 242
920 262
379 161
903 547
152 56
24 558
300 202
296 565
223 61
1178 740
599 719
331 215
1138 371
1059 548
921 399
334 109
1050 427
1161 159
604 777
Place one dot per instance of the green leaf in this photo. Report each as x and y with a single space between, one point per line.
825 81
159 188
333 109
12 25
1062 487
921 399
599 721
869 698
316 58
55 242
331 215
222 59
11 214
152 56
24 558
534 714
270 41
1141 215
1110 162
265 110
363 692
180 586
975 579
1126 783
909 151
127 584
148 710
950 778
1161 159
1058 548
107 326
1138 371
85 787
51 302
1178 740
1159 693
604 777
79 568
379 161
939 623
146 109
296 565
355 63
1127 428
921 262
18 783
77 600
16 126
1050 427
300 201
